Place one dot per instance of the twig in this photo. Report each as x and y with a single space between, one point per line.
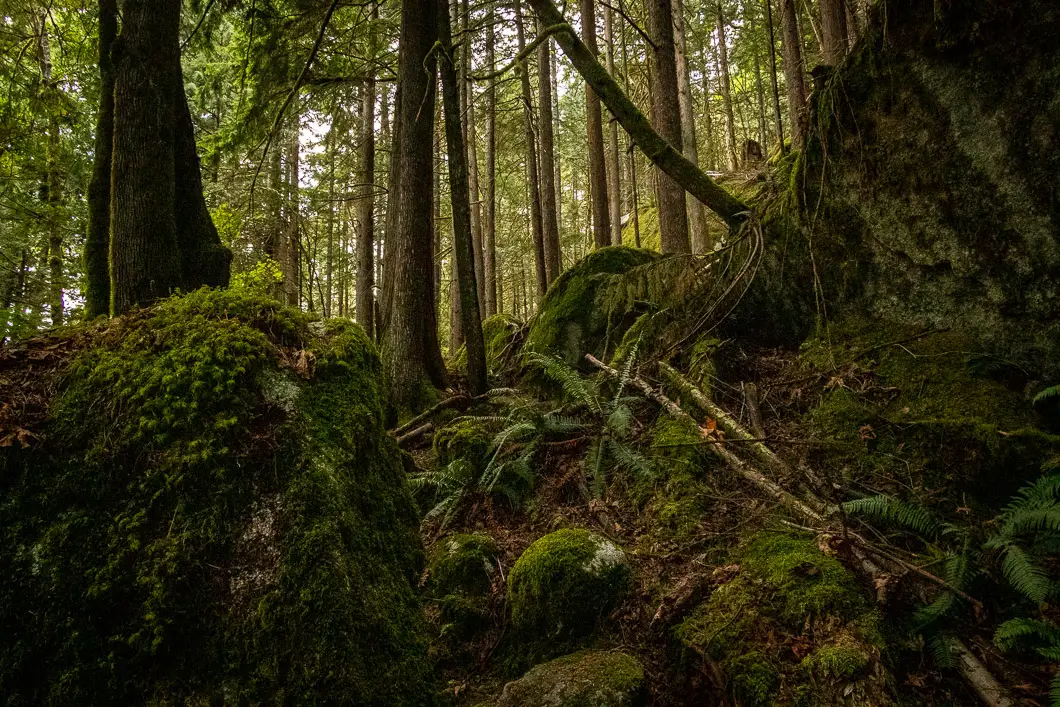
415 434
462 402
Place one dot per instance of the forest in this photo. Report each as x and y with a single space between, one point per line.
518 353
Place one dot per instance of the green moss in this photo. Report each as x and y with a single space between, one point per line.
217 514
467 438
676 503
563 583
462 563
583 679
754 679
498 333
840 661
582 313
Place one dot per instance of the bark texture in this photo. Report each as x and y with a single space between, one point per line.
364 297
97 242
793 70
594 126
547 152
531 161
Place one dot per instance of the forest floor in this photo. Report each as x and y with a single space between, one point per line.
679 562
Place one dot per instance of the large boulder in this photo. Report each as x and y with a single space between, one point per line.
584 679
934 162
209 510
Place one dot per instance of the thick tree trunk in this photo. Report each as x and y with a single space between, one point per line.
290 239
631 154
726 93
773 75
144 257
547 151
489 255
662 154
833 31
531 161
412 358
760 92
793 71
697 215
471 135
594 118
51 189
673 219
614 158
364 295
459 198
97 241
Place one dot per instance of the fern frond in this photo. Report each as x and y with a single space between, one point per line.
915 518
1033 520
941 647
1014 632
575 386
929 615
1023 574
619 421
1047 394
631 461
1054 691
1039 494
627 372
595 472
555 424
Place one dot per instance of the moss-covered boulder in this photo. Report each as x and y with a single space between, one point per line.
563 583
791 625
213 512
587 310
933 163
468 439
584 679
500 333
462 571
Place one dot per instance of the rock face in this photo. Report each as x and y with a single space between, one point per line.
937 143
563 583
585 679
212 512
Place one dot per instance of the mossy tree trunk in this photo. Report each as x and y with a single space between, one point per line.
97 241
547 151
662 153
459 196
364 296
673 218
412 357
594 120
773 74
833 31
614 159
697 216
726 93
793 70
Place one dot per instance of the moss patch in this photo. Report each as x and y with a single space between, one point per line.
584 679
216 514
563 583
468 439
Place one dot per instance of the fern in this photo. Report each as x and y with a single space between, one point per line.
914 518
1049 393
575 387
1025 576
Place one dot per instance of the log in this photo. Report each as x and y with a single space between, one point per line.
415 434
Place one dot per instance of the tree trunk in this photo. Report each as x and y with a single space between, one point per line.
793 71
97 241
489 255
594 118
144 257
614 158
412 358
531 161
673 218
364 296
773 76
290 239
459 198
726 94
760 92
833 31
470 132
631 154
697 216
547 151
51 189
661 153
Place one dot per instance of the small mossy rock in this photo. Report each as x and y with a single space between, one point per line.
499 333
564 582
581 313
786 592
676 501
215 513
463 564
466 439
584 679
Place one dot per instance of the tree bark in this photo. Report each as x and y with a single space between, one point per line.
412 358
97 241
144 257
594 119
697 217
793 71
459 198
489 259
290 239
364 296
662 154
531 161
614 158
773 76
760 92
472 162
547 151
51 188
726 93
673 218
833 31
631 154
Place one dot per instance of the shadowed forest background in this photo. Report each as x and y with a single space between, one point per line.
639 352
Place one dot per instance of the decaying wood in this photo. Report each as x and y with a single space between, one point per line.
972 669
457 402
750 392
415 434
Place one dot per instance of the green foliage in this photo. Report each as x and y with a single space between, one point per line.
1042 637
206 524
908 516
562 584
584 679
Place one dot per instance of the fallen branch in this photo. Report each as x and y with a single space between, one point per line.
979 677
404 439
